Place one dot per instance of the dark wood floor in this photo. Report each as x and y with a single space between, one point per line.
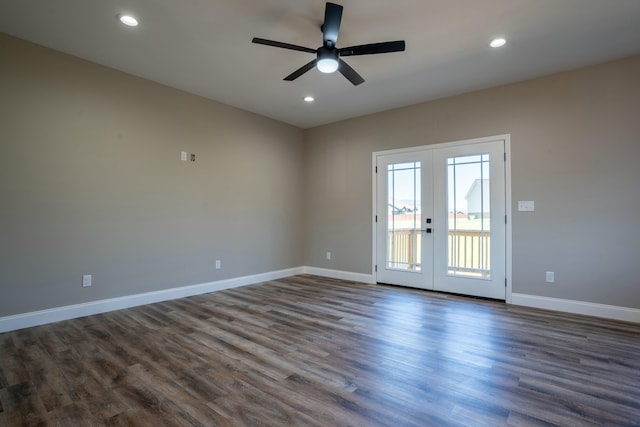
312 351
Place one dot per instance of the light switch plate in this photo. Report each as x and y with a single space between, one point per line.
526 206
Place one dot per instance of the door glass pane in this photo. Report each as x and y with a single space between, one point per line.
403 216
469 234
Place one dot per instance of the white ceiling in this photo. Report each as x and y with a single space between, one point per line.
204 46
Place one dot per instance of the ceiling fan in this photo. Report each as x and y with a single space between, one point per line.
328 56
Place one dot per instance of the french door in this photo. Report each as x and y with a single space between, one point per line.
440 218
404 215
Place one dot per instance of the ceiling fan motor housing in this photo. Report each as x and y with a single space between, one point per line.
327 59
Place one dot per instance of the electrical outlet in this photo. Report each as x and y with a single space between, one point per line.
550 277
86 280
218 264
328 255
193 157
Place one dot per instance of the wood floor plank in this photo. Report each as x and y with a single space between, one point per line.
258 407
51 385
73 414
22 406
313 351
192 405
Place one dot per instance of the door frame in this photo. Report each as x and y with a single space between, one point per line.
506 138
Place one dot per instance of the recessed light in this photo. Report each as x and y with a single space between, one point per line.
309 98
499 42
128 20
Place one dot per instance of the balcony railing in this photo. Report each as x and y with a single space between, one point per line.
404 249
468 251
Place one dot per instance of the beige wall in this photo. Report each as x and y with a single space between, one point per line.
91 182
575 140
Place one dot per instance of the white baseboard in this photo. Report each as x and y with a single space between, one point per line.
578 307
339 274
35 318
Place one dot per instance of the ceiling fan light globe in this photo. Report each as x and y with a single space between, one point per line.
327 65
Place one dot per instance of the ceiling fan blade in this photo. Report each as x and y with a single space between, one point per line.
373 48
258 40
350 73
300 71
331 26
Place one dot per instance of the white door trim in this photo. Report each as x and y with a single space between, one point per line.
507 175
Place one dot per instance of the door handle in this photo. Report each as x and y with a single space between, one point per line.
428 230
